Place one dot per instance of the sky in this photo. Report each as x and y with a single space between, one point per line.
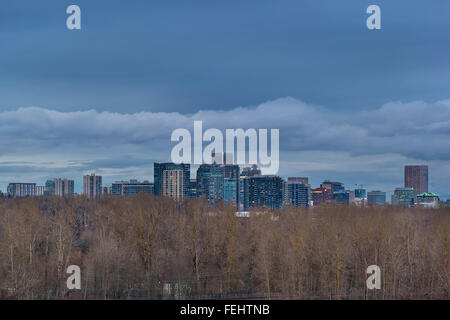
352 104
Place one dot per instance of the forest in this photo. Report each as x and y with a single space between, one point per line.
149 247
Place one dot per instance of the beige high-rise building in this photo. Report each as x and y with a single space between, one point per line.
172 183
92 185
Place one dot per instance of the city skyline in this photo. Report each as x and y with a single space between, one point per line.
176 181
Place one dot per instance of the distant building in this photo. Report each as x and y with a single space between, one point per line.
210 182
360 197
92 186
265 191
332 185
321 195
361 193
173 185
129 188
251 171
426 199
230 191
21 189
231 171
343 196
416 177
376 198
64 187
298 191
403 197
243 194
193 189
40 190
50 187
161 186
106 190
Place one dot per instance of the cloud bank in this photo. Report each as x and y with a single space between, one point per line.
40 142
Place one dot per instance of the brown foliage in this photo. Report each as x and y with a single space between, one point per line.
153 247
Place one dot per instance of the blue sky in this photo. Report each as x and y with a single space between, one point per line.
378 98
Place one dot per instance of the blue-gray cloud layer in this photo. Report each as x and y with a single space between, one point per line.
313 140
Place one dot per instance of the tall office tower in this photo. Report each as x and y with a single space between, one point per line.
50 187
64 187
298 191
232 172
243 194
92 186
22 189
416 177
403 197
129 188
173 184
159 169
210 182
332 185
265 191
230 191
376 197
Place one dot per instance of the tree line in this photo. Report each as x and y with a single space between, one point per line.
150 247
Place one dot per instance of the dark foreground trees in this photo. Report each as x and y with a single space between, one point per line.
153 247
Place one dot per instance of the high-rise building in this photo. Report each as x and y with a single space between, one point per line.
50 187
265 191
232 171
230 191
376 197
21 189
173 184
403 197
298 191
92 186
210 182
243 193
129 188
416 177
159 183
64 187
